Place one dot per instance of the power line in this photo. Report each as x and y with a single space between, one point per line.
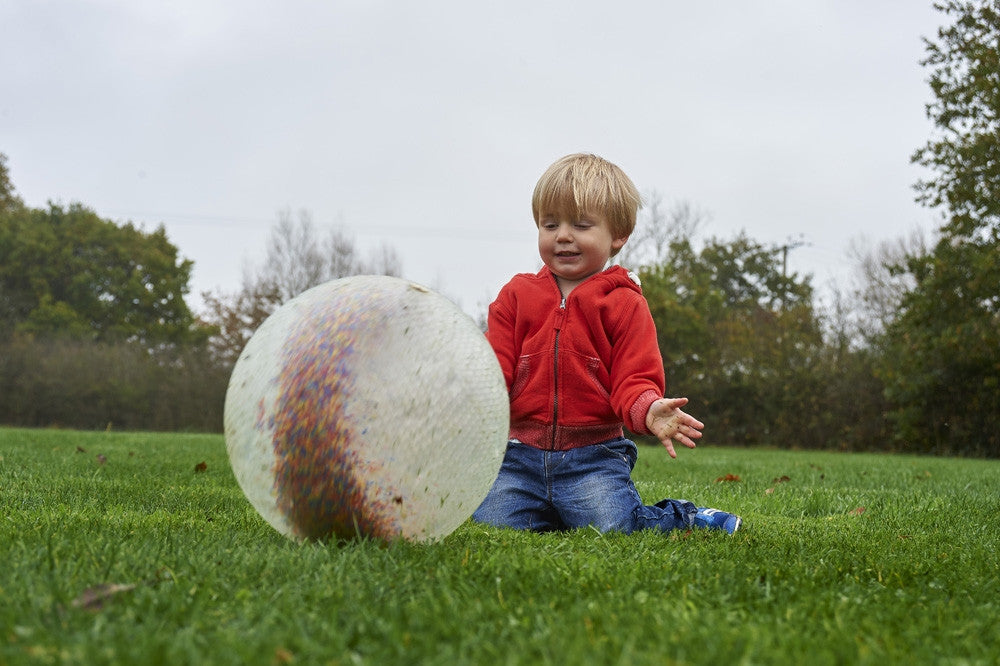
789 245
229 221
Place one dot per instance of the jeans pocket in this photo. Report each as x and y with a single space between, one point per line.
620 449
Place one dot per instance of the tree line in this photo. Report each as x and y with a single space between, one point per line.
95 330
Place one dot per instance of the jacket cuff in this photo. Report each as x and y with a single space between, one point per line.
637 415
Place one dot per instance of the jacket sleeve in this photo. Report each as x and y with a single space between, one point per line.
637 378
500 333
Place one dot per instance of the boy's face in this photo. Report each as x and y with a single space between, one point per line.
575 249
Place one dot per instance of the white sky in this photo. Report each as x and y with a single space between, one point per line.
425 125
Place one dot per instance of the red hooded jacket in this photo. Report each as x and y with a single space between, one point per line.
576 370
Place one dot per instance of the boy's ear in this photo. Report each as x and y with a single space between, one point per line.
618 243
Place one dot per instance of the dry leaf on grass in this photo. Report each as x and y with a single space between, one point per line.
94 598
776 480
283 656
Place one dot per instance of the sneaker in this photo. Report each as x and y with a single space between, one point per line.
714 519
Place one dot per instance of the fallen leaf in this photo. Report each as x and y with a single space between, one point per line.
769 491
80 449
201 467
857 512
283 656
101 459
727 477
94 598
780 479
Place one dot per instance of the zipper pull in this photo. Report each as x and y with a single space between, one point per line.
560 314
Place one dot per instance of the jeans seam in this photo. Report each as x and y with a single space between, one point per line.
547 473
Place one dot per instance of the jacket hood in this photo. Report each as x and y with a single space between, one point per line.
603 283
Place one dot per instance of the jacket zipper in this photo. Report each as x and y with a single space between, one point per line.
555 372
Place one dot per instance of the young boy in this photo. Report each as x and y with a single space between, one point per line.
577 346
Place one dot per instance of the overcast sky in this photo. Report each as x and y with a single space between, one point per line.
424 125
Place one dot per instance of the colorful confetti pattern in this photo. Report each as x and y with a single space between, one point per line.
318 477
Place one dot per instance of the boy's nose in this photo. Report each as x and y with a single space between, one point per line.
564 232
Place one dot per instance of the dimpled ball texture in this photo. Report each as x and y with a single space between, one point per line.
366 407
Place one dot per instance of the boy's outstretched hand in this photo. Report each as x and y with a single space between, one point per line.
666 420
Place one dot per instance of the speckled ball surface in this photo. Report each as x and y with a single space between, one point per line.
367 406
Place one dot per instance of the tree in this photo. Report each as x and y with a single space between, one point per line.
942 360
235 316
296 259
739 337
79 383
94 330
8 197
878 287
658 226
9 203
965 155
67 272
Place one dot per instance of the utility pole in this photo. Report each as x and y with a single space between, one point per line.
789 245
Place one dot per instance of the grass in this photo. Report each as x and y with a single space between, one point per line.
852 559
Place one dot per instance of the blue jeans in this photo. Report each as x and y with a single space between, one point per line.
591 485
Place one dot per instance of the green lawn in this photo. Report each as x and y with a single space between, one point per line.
850 559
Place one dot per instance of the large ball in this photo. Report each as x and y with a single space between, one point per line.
367 406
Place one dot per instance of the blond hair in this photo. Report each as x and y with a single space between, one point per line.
581 183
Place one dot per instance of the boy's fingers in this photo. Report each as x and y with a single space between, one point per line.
683 439
692 432
689 420
674 403
688 442
695 423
